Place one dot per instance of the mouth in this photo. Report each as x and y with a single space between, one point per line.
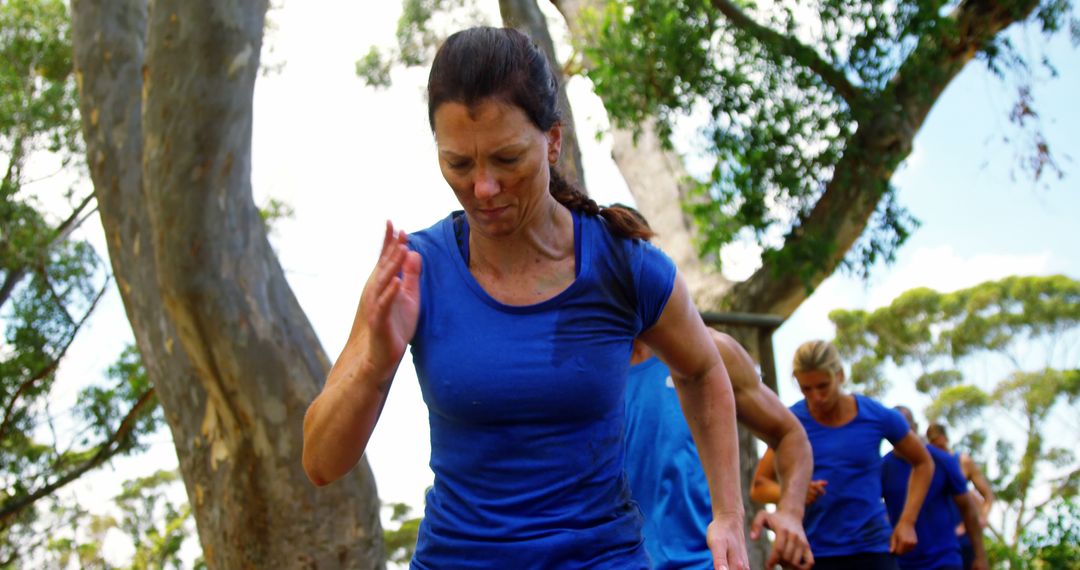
492 212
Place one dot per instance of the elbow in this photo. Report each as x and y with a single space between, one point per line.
316 473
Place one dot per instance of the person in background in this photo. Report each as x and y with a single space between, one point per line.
847 525
938 547
665 473
983 494
521 311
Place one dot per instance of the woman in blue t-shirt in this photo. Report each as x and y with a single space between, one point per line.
520 324
845 520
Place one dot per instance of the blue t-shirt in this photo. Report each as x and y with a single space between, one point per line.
850 517
937 546
666 477
525 405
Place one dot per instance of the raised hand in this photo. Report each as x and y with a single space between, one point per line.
390 304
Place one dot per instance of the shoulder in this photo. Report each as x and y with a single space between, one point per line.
874 409
940 457
433 237
892 424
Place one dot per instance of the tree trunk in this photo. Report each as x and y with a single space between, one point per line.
232 357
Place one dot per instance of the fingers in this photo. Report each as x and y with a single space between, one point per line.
389 265
411 272
758 524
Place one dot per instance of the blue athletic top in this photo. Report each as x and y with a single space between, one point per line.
525 405
937 546
850 517
666 477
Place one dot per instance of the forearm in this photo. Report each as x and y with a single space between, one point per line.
970 514
795 465
765 491
918 484
339 422
709 406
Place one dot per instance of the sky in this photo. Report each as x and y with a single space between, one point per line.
346 158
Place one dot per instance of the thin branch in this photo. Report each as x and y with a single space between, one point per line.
791 47
108 449
73 221
62 231
9 409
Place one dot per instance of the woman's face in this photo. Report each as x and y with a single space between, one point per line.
821 390
496 160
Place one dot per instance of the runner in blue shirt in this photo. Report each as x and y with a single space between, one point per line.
521 312
847 525
982 494
938 547
666 477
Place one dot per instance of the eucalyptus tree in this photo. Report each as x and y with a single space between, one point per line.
166 104
51 281
999 362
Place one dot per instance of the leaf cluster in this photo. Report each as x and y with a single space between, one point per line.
935 333
782 89
421 28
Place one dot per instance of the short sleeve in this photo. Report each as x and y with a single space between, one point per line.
955 482
894 425
654 279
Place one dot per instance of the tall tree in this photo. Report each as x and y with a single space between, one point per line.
166 101
50 283
1024 329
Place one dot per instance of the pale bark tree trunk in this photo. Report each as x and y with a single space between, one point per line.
232 357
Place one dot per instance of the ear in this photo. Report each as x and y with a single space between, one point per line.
554 138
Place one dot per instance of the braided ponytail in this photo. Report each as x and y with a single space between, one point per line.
622 220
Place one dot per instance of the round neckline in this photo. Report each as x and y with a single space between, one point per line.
581 254
810 414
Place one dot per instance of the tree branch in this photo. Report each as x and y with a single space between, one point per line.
9 409
62 231
107 450
888 124
791 47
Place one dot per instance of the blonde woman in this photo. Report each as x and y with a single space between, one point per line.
846 522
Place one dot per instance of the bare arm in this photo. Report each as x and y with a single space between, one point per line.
766 485
339 422
911 449
975 475
681 339
970 513
760 410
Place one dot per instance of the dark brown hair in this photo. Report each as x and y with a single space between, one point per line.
503 64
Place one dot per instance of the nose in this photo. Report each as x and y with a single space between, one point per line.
485 186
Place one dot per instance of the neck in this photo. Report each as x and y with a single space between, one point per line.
546 236
840 413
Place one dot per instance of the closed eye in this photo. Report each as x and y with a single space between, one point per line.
507 160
